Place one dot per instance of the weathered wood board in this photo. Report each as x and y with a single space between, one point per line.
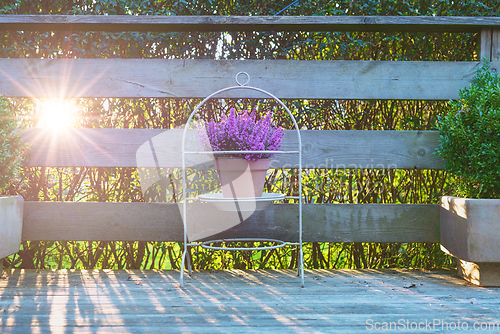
95 221
251 301
479 273
485 43
495 45
287 79
321 148
490 44
11 225
470 228
245 23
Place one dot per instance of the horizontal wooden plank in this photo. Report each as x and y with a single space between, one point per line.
287 79
162 222
245 23
321 149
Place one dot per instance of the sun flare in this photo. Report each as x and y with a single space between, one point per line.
56 114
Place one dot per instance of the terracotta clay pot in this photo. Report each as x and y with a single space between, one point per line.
240 178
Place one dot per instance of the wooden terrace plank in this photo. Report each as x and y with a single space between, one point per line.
245 23
198 78
325 149
93 221
264 301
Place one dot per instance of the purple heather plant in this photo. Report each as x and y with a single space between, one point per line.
241 132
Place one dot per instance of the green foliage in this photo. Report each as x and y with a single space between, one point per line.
12 150
470 136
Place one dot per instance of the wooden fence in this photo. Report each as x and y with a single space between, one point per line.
423 80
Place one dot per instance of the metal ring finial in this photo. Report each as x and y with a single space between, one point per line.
246 82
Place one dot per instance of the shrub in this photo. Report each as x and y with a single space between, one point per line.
12 150
470 136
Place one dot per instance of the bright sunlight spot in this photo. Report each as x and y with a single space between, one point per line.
56 113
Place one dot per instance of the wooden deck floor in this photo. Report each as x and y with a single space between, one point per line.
344 301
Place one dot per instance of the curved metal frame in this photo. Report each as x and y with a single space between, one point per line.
185 200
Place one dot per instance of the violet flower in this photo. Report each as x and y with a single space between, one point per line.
241 132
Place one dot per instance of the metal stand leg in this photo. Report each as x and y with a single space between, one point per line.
298 260
188 259
301 266
181 280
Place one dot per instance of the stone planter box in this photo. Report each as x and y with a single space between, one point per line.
11 225
470 231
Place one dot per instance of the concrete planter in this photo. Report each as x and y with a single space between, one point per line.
470 231
11 225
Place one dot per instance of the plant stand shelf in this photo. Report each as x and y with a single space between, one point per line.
242 204
206 244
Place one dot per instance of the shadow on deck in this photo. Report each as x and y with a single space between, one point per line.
347 301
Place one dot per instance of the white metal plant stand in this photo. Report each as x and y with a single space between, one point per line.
186 200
